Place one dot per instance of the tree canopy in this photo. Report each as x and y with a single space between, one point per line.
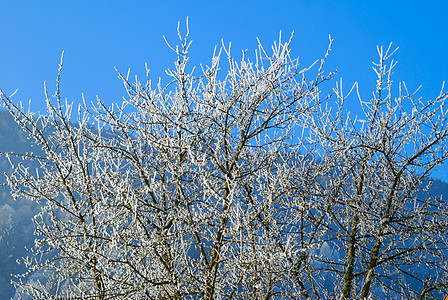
248 181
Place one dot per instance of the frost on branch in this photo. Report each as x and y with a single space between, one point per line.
239 184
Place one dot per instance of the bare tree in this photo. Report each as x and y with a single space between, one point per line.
244 185
390 231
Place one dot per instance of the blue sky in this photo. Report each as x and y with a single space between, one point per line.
100 35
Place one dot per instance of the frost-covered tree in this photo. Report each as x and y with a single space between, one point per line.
377 208
243 182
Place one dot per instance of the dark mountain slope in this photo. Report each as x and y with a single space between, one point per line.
16 228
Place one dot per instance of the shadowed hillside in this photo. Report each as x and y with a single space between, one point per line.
16 228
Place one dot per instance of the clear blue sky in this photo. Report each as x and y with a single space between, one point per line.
98 35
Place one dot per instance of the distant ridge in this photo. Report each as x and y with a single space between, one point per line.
16 228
